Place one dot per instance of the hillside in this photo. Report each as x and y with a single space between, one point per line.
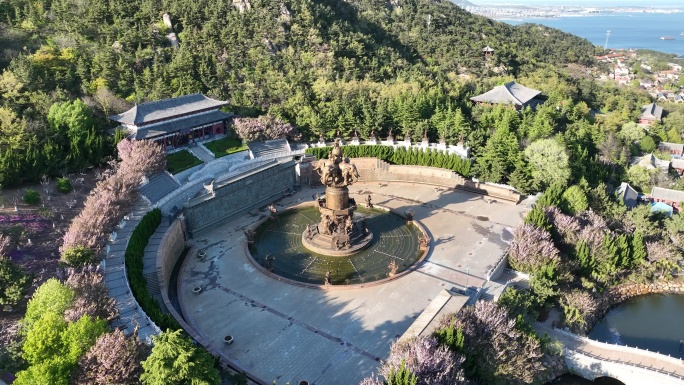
322 65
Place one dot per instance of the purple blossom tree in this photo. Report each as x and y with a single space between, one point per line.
113 359
568 227
91 295
594 228
263 128
114 195
578 308
531 248
497 353
431 363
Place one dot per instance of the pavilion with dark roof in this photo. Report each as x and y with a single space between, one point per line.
511 93
175 122
650 114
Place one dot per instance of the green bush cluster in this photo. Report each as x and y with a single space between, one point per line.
64 185
31 197
134 268
402 156
78 256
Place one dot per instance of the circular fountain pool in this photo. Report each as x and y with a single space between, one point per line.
278 248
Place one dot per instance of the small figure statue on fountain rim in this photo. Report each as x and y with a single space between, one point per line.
393 267
249 233
369 204
424 241
409 217
268 262
273 210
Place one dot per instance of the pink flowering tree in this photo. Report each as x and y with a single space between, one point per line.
263 128
113 359
578 308
91 295
531 249
430 362
496 352
567 226
115 195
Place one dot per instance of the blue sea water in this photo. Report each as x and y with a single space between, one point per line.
628 30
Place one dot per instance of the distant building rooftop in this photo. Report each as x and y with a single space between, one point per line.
651 112
666 194
627 195
509 93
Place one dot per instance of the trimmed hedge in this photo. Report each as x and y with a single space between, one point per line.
134 268
402 156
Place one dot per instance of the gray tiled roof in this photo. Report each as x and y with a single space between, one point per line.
667 194
163 128
628 195
509 93
677 163
652 112
145 113
488 49
668 146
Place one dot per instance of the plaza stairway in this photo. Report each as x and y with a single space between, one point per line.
269 148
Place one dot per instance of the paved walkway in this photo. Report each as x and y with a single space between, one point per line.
290 333
130 314
616 353
201 153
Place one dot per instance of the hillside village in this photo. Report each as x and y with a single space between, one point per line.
630 67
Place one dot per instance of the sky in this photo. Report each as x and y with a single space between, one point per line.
595 3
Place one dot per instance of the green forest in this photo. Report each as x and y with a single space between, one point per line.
323 66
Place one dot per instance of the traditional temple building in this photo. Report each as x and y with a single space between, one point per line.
511 93
650 114
487 52
175 122
673 198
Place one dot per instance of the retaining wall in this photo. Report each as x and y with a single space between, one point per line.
374 169
170 249
233 197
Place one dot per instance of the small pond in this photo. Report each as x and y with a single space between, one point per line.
652 322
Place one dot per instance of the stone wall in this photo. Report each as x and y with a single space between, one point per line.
554 367
170 249
618 294
373 169
233 197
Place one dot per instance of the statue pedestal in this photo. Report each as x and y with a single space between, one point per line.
337 198
339 243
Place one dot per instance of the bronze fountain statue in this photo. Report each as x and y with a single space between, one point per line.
336 233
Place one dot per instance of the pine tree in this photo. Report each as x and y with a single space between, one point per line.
175 360
584 257
638 252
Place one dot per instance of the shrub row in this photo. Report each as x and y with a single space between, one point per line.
134 268
402 156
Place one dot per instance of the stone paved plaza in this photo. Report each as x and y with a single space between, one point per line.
289 333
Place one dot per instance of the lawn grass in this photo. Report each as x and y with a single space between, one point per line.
181 160
225 146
